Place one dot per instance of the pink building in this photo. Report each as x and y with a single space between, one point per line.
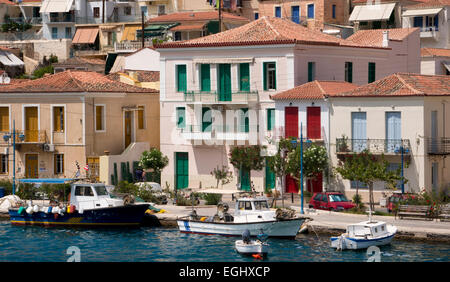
215 90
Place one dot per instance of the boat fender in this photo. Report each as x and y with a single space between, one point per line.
21 210
30 210
203 218
55 210
73 208
55 215
257 256
81 211
49 210
61 211
36 208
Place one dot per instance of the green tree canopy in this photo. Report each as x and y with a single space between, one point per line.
153 159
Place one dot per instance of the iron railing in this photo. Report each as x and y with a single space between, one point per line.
438 146
215 97
374 146
27 136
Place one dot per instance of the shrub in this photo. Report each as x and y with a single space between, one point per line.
7 185
212 199
41 71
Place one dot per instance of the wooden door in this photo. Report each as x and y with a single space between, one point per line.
31 124
315 185
128 128
181 170
31 166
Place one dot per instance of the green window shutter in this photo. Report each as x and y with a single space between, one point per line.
372 68
181 78
270 178
181 117
265 75
181 170
206 119
310 71
244 125
245 179
244 77
270 119
205 77
349 72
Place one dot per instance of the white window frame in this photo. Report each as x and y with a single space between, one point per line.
103 118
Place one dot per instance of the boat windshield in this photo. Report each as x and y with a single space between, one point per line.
101 190
337 198
261 205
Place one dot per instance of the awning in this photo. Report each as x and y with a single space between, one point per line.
9 59
447 65
85 35
366 13
153 30
129 33
223 60
46 180
421 12
188 27
56 6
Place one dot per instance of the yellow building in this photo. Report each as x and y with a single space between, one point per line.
73 117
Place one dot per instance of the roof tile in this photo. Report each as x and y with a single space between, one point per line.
314 90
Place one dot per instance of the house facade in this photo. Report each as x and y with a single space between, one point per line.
408 111
435 61
73 117
215 90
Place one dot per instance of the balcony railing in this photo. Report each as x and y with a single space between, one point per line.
67 18
313 134
130 46
374 146
219 132
429 32
438 146
28 136
212 97
111 19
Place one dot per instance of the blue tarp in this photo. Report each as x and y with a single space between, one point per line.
46 180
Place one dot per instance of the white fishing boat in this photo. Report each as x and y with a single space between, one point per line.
251 214
365 234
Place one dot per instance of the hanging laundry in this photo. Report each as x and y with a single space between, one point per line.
226 4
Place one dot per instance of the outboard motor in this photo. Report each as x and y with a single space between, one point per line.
246 236
262 237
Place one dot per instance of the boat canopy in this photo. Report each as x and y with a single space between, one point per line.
47 180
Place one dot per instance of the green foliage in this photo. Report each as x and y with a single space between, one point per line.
142 192
10 26
26 191
366 168
222 175
211 199
357 199
42 71
7 185
55 192
315 161
153 159
247 157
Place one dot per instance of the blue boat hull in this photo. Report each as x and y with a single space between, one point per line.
130 215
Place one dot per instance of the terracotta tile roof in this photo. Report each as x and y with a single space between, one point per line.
434 52
142 76
266 30
403 84
82 61
374 37
358 2
314 90
74 81
7 2
430 4
196 16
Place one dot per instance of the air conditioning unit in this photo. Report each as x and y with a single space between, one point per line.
49 148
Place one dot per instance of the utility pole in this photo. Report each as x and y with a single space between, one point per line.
142 27
220 15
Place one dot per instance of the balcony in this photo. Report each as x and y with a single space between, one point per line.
429 32
312 134
219 132
212 97
130 46
61 18
374 146
111 19
438 146
27 137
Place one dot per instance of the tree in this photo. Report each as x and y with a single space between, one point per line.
364 167
153 159
246 158
315 161
222 175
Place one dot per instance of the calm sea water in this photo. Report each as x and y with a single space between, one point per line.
37 244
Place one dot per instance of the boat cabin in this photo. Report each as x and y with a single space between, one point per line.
91 195
367 229
253 209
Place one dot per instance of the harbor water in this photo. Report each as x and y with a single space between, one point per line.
145 244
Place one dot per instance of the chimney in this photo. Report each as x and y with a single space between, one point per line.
385 38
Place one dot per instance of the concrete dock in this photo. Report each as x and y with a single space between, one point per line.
326 222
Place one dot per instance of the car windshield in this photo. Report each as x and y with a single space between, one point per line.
101 190
337 198
261 205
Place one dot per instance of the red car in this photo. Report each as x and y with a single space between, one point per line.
395 199
332 201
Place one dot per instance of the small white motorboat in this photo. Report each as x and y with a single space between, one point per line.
252 247
365 234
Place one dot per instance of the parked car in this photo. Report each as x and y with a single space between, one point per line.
332 201
156 189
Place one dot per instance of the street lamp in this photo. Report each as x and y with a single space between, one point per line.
6 137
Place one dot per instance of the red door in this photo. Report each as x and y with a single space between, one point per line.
291 122
291 185
313 127
315 183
